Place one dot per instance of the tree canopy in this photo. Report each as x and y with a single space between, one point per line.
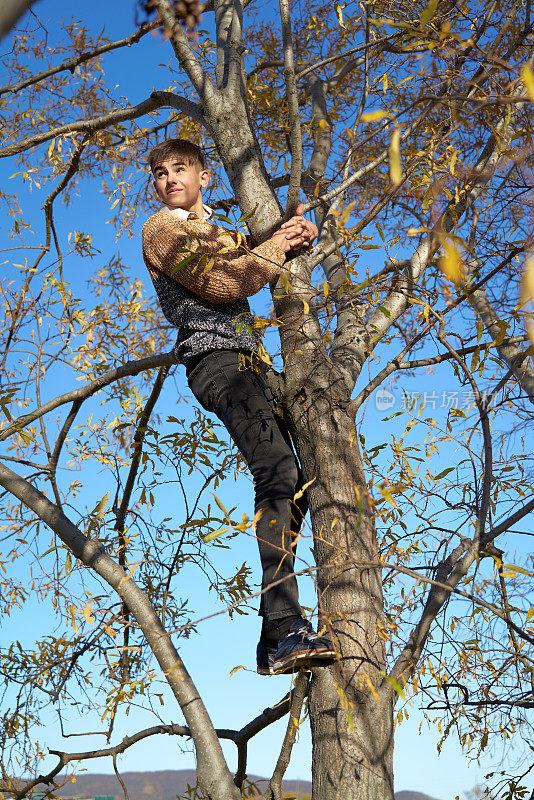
407 128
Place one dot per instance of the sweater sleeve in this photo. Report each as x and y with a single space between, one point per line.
206 260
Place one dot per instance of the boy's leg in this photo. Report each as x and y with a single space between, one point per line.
241 399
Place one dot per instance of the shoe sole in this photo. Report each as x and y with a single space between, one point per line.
302 660
265 671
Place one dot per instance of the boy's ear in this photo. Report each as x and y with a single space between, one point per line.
205 178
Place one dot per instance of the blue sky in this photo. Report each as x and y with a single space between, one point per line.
221 644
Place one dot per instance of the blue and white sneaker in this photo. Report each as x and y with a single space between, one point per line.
302 648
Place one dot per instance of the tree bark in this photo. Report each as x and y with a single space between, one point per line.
11 11
352 731
351 712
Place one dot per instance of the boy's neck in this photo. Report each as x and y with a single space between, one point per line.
198 208
202 213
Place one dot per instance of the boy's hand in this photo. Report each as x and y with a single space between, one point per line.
299 231
296 232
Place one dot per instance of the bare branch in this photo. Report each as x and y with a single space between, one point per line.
138 439
395 304
274 791
47 207
481 404
397 364
131 368
293 108
76 61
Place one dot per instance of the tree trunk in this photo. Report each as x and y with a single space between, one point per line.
353 763
243 164
352 731
351 711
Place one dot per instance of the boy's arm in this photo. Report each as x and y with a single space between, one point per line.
213 266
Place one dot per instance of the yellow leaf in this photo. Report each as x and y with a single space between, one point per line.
371 686
346 212
339 14
222 507
515 569
88 614
100 506
209 537
530 614
373 116
395 169
264 355
306 306
428 12
387 494
527 284
325 289
299 494
528 79
129 574
451 262
396 685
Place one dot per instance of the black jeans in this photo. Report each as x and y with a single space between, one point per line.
243 401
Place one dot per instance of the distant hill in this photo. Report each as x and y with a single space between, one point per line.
167 784
406 795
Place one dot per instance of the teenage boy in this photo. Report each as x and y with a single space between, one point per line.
203 275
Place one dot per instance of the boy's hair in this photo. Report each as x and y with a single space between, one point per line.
173 148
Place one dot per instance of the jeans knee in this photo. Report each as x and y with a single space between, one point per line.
276 484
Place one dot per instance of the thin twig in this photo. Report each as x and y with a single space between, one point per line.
293 109
274 792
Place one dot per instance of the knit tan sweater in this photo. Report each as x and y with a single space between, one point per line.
207 259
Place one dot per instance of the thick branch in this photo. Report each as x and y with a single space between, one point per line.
240 738
512 355
183 51
131 368
88 126
183 104
213 773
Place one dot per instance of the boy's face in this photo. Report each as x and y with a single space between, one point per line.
179 184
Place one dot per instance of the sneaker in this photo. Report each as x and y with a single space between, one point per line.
302 647
265 656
